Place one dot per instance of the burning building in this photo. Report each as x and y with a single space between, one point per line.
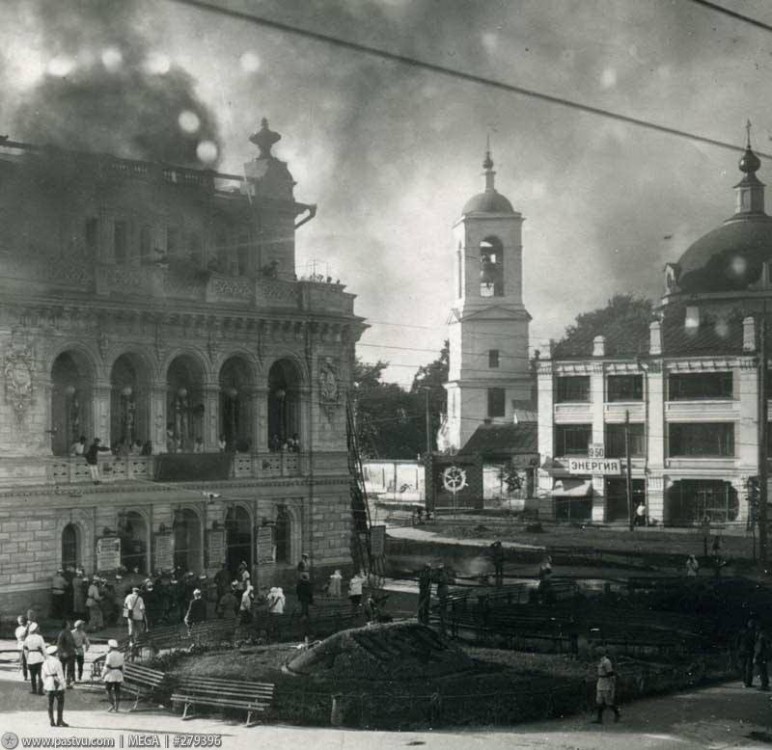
157 308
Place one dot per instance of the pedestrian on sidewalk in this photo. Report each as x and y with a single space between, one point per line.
134 614
82 644
746 644
336 582
94 604
196 612
52 674
497 555
21 632
113 675
605 688
355 590
761 656
35 651
305 593
66 652
424 593
692 567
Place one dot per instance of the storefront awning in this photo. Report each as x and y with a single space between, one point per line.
572 488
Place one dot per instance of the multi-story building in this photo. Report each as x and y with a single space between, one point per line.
688 387
157 308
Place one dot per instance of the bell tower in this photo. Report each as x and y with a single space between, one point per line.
488 326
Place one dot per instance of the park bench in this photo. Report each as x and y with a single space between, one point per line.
141 680
252 697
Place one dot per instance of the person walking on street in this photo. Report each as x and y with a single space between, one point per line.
134 614
58 595
66 652
497 555
82 644
692 567
761 656
196 612
305 593
442 594
276 601
605 688
355 591
35 651
52 675
113 675
20 634
746 644
245 608
424 593
94 604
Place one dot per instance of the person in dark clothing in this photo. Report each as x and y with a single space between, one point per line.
222 580
761 656
746 644
497 555
66 652
92 459
196 612
424 593
305 593
443 579
228 605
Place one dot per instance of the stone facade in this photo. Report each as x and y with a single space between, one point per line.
158 309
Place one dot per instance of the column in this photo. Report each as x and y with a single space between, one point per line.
157 426
597 410
545 435
655 498
260 419
101 415
211 393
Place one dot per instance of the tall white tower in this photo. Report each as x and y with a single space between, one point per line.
488 326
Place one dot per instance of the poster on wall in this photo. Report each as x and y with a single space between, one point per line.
163 556
215 549
108 553
266 550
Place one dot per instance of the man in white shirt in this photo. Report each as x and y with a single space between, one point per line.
134 613
34 650
21 633
53 683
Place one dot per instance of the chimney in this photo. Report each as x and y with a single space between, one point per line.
749 334
655 337
599 346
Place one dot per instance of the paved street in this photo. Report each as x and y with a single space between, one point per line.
726 716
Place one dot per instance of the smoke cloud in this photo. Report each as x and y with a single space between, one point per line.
105 88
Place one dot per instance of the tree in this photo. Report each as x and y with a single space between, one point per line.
624 321
387 421
433 377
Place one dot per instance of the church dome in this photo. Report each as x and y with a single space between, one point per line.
730 257
490 201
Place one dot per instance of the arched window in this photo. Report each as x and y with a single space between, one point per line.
184 405
70 546
283 403
70 402
238 538
129 404
491 268
235 421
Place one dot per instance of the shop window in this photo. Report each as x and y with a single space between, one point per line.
572 439
689 386
624 388
493 358
701 439
689 501
497 399
615 441
573 388
617 508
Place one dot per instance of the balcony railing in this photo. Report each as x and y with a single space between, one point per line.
143 468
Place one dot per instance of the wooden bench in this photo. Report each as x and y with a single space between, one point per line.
252 697
141 679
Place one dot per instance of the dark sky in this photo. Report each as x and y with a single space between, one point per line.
391 153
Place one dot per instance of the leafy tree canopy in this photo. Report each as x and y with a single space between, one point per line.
624 321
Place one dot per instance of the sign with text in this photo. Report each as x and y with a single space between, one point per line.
266 550
108 553
596 450
216 547
594 466
163 554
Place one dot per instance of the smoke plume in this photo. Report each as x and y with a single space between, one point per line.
106 88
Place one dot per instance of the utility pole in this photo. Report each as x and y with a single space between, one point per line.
428 424
628 475
763 435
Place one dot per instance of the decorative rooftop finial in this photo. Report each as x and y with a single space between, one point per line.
264 139
749 162
488 164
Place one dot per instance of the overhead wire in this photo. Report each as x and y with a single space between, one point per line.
733 14
456 73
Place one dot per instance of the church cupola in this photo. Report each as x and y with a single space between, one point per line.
750 190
